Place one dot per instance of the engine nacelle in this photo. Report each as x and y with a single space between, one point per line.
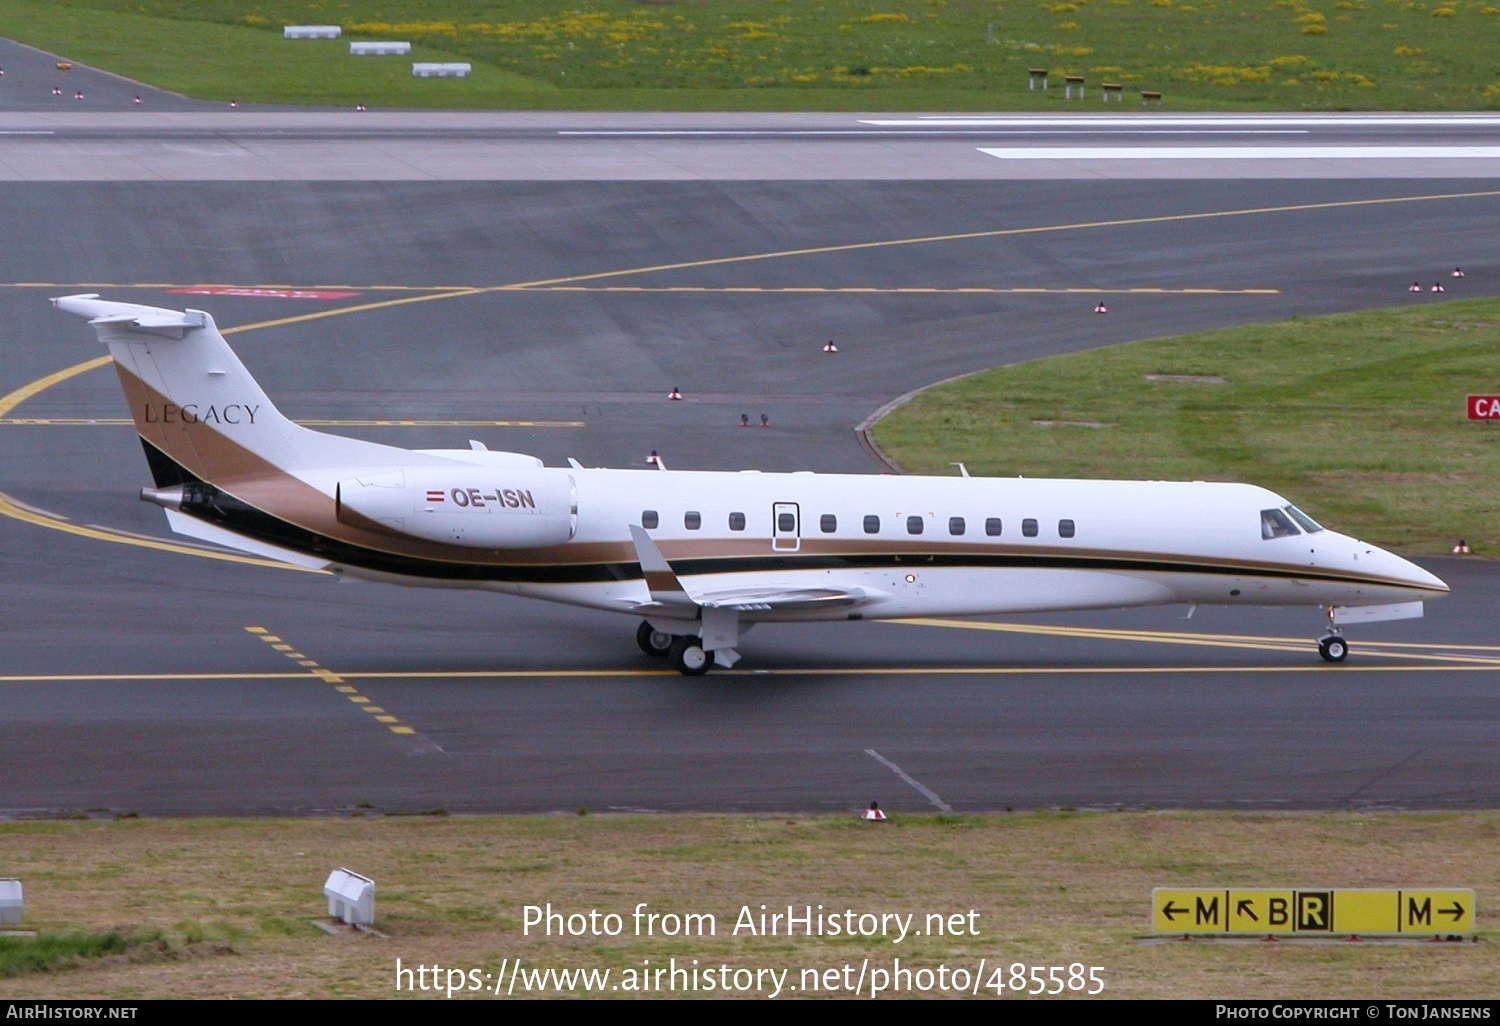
476 507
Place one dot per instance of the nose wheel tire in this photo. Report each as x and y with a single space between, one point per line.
689 657
1333 648
652 641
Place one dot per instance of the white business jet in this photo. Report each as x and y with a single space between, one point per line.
701 557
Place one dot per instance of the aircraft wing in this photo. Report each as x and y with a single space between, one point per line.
787 599
758 600
670 596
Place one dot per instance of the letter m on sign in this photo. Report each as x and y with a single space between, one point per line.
1206 912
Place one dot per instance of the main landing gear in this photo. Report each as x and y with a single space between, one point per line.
684 651
652 641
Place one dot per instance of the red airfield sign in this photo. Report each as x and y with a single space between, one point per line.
1484 407
229 290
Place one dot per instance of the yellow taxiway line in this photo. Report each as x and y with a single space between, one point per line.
828 671
17 510
1469 656
380 715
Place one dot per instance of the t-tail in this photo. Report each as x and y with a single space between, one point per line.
199 413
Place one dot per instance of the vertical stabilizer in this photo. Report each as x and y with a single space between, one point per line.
196 405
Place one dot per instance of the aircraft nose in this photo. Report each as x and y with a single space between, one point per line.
1409 575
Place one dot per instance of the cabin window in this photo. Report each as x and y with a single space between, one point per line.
786 523
913 525
872 524
992 526
1307 523
692 520
1065 529
649 519
1029 528
956 526
1276 524
828 523
736 521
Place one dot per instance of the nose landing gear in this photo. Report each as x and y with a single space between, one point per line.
1332 645
1333 648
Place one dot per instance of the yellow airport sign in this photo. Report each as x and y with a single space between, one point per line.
1264 910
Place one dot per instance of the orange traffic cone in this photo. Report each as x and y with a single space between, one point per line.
1461 549
674 394
1099 307
830 347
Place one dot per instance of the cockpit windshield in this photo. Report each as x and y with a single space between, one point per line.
1307 523
1274 523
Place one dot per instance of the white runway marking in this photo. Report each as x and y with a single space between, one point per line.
930 795
1244 152
1130 121
963 128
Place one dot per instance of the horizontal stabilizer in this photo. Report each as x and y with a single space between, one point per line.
192 527
131 316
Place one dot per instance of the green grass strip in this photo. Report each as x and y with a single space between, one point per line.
1358 418
49 951
798 54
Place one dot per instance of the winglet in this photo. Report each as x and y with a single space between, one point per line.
661 579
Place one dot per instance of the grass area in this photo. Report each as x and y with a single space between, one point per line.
236 898
797 54
1358 418
55 951
215 61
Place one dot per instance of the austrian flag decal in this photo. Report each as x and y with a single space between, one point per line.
434 495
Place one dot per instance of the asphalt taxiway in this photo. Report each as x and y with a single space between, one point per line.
551 314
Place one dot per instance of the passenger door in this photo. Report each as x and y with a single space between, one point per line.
786 527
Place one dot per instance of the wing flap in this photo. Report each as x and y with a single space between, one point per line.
783 599
758 600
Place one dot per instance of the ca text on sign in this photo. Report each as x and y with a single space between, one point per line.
1484 407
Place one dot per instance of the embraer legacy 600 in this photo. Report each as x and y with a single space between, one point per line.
701 557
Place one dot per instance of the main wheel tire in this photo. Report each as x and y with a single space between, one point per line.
652 641
1333 648
689 657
